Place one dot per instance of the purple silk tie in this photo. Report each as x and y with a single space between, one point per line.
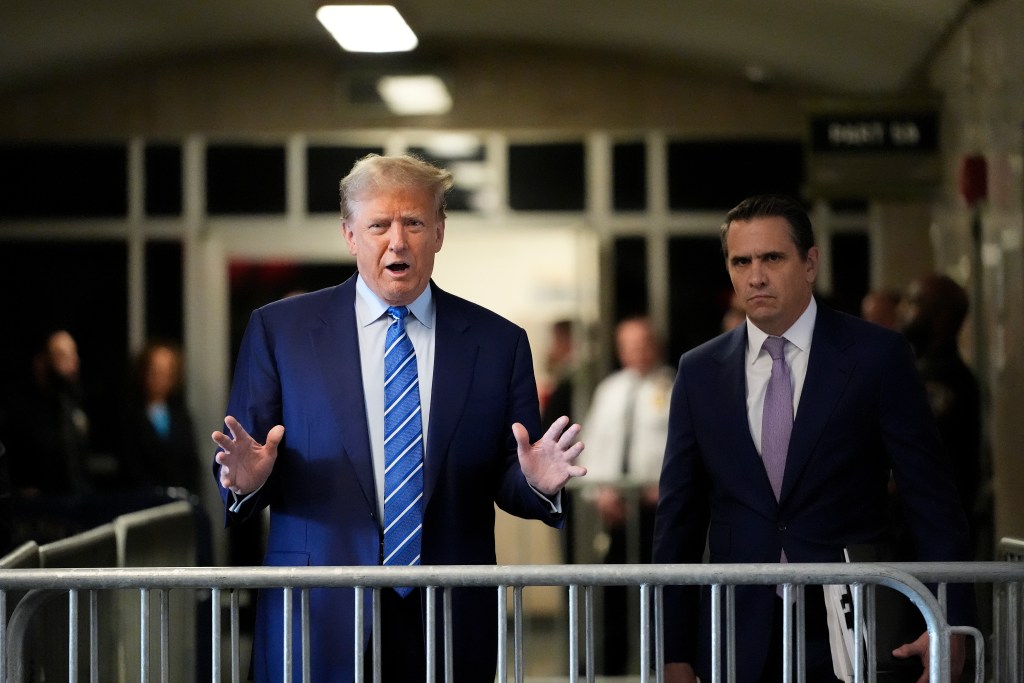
777 420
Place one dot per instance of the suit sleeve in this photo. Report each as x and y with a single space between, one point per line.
515 495
255 401
681 524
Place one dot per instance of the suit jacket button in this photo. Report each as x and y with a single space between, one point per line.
782 526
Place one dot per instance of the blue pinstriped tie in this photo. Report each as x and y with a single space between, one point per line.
403 448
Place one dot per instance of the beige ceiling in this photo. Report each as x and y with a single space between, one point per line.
845 47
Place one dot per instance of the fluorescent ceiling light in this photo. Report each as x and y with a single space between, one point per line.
367 28
414 95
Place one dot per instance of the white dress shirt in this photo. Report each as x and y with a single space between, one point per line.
606 433
372 323
759 365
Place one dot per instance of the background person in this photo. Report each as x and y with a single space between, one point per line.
881 307
48 427
931 316
625 428
309 386
160 446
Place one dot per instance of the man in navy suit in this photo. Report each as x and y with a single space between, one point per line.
309 388
859 413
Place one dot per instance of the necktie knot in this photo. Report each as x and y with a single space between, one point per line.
775 346
398 313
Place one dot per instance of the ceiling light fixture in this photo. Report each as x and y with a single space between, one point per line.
367 28
414 95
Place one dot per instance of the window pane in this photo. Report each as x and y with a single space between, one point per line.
546 177
629 177
63 181
245 179
164 290
630 273
699 293
851 256
163 180
717 175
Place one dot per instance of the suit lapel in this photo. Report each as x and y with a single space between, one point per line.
455 352
828 371
336 344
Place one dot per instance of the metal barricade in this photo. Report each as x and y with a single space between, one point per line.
1008 611
81 585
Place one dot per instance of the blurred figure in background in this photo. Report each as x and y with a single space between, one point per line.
47 425
734 315
557 395
931 315
560 399
879 306
626 428
160 446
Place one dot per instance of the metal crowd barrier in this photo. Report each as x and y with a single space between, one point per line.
82 585
1008 612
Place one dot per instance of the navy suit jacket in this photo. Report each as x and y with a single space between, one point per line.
862 413
299 366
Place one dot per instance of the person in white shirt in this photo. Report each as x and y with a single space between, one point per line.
625 428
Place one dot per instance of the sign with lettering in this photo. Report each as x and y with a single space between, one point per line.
897 132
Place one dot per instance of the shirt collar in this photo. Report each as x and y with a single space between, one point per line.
370 307
799 333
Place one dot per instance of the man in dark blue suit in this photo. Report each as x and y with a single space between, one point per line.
309 386
858 413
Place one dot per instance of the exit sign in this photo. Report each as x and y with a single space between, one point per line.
902 132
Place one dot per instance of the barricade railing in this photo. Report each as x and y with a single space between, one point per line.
1008 613
906 578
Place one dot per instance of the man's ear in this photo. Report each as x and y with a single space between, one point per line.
811 264
349 237
440 236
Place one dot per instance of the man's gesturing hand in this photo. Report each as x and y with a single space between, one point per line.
245 465
548 464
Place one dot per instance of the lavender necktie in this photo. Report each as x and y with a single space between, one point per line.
777 420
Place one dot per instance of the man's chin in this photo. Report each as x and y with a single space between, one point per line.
762 318
400 293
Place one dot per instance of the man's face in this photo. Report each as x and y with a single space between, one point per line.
772 283
161 374
917 312
394 236
637 346
63 355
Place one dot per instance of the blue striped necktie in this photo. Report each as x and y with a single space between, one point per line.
403 448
